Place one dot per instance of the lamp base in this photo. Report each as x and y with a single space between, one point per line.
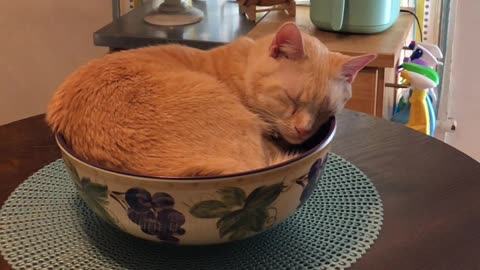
174 13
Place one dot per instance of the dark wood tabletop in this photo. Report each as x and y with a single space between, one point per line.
430 191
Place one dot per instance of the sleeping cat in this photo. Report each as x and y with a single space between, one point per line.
177 111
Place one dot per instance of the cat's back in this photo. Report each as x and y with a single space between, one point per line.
149 110
143 60
119 79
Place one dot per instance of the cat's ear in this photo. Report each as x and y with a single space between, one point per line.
353 65
288 43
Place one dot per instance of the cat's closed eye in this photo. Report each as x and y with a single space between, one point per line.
294 103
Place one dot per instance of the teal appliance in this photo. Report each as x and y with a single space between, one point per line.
354 16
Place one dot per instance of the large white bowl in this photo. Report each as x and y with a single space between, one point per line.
201 210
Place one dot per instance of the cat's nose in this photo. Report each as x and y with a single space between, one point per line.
303 132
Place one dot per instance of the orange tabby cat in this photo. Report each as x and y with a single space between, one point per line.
178 111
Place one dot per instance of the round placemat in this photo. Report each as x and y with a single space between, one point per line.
45 225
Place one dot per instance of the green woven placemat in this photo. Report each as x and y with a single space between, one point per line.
45 225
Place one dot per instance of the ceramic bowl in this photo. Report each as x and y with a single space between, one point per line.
201 210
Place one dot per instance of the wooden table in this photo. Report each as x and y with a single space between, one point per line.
430 191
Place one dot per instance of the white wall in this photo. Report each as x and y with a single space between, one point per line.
465 79
42 42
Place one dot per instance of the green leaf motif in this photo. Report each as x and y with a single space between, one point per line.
95 196
231 222
257 219
209 209
99 210
250 219
239 235
263 196
232 196
242 220
96 191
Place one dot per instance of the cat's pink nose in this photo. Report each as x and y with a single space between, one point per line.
303 132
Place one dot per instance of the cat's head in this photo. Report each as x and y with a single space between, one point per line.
296 84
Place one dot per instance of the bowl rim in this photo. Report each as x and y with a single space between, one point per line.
320 146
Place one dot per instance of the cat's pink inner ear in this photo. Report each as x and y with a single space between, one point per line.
351 68
288 43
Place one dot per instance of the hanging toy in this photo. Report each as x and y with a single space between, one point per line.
417 71
422 56
420 78
431 113
428 54
432 48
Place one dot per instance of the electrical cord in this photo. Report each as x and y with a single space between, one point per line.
418 21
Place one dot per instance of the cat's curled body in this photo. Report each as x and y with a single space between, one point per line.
178 111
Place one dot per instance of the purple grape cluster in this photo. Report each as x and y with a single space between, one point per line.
313 177
155 214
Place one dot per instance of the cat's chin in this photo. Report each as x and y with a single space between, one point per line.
286 145
276 136
295 141
303 145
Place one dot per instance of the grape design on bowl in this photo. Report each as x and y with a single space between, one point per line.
312 178
154 214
